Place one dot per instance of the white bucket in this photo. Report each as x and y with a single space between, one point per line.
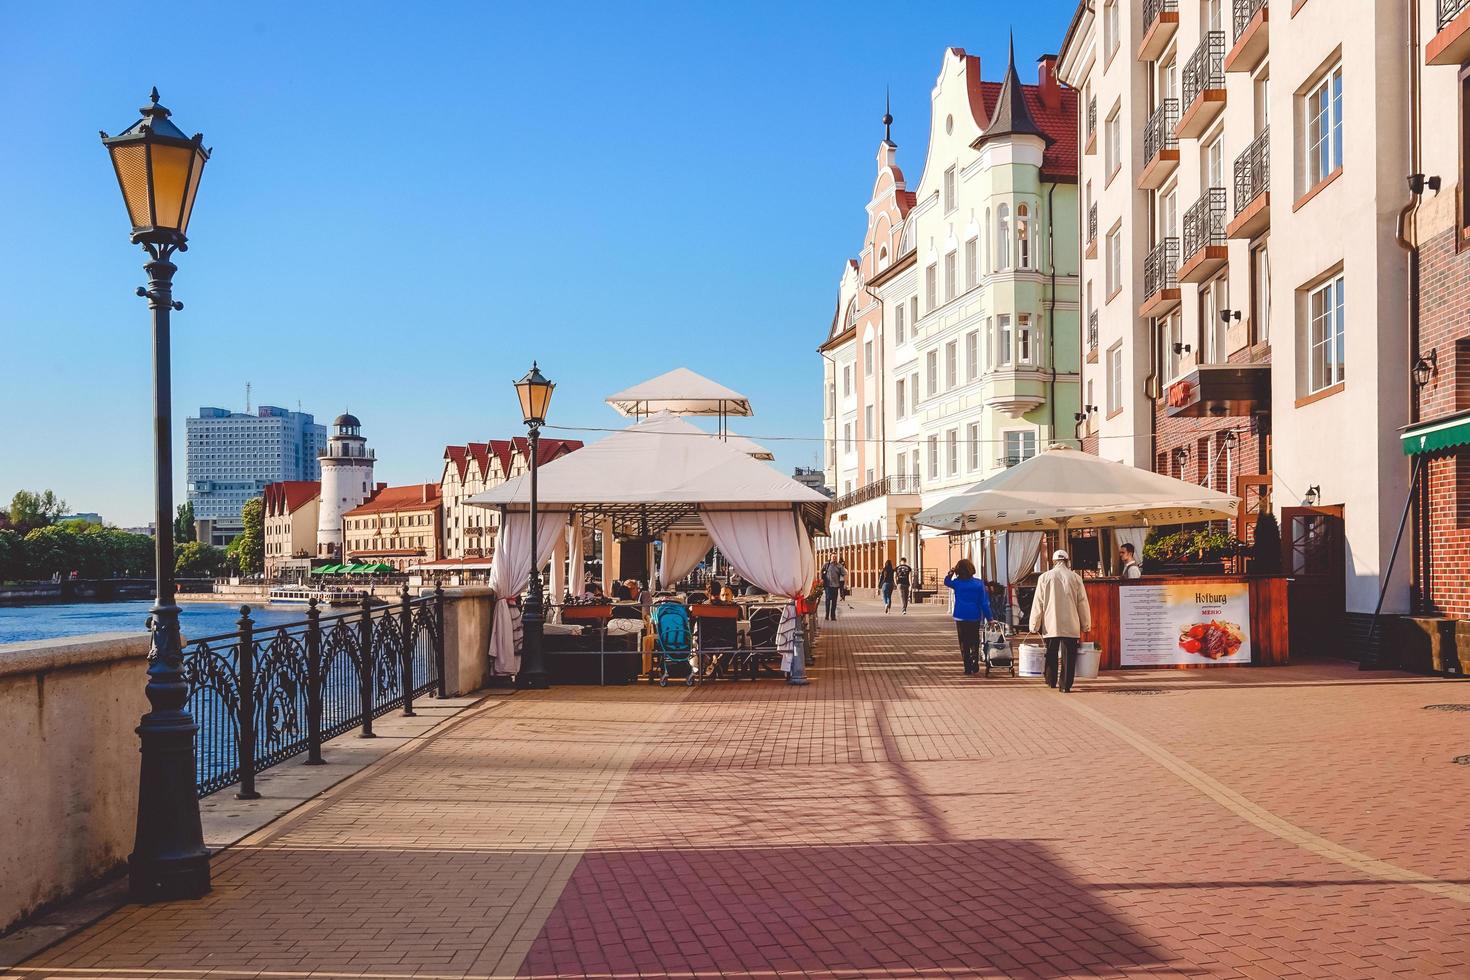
1088 658
1033 660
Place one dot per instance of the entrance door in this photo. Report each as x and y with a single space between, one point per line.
1313 554
1255 499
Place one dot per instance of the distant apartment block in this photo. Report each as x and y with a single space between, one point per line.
232 457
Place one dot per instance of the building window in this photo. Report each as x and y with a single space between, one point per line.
847 437
949 190
951 364
1023 237
868 358
1214 299
931 371
1327 363
1003 346
1174 342
972 264
914 463
1324 128
1115 378
972 438
931 287
1025 340
952 451
950 276
972 355
1003 237
1261 294
899 399
1213 159
1020 446
1113 144
1110 28
847 381
867 421
1115 261
914 393
913 313
933 456
898 324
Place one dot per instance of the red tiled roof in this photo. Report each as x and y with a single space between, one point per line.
417 496
479 452
457 455
501 450
289 496
1060 160
550 448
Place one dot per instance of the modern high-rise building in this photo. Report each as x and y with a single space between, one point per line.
232 457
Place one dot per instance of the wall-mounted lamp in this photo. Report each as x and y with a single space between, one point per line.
1418 183
1090 409
1079 417
1227 315
1181 454
1181 348
1314 493
1426 367
1230 438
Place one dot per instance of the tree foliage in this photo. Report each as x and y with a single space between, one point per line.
247 552
184 529
1266 548
29 510
197 560
90 550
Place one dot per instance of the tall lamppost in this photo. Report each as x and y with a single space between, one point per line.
534 392
158 169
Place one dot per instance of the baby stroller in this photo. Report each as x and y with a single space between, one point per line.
671 642
995 647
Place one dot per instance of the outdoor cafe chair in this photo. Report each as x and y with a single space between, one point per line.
718 628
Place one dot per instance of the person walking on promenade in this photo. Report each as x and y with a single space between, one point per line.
971 611
1060 613
903 574
834 578
885 585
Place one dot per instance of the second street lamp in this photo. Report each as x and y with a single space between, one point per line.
534 391
158 169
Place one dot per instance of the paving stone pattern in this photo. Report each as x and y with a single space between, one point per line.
892 819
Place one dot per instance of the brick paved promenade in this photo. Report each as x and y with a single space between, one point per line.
892 819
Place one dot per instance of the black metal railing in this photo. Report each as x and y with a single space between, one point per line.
1158 132
1449 10
1161 267
1253 170
1204 222
1092 117
1092 331
1246 10
261 696
1205 69
1092 224
899 483
1154 9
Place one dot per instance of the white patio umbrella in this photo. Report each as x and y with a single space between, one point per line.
1064 489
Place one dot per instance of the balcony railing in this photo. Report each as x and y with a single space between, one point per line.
1158 132
1204 222
1205 68
1092 115
1253 170
1161 268
1246 10
1154 9
1092 223
901 483
1449 10
1092 331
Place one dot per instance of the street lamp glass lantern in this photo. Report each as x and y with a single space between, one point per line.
158 169
534 392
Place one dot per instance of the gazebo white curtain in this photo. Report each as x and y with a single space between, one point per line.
1023 548
768 547
510 573
682 550
578 557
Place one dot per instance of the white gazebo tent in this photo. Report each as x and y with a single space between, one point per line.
750 448
1062 489
661 477
681 392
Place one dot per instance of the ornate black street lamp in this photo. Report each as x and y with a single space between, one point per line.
158 169
535 395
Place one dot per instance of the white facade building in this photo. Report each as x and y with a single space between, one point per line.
347 480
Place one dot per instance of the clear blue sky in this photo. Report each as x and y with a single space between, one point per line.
407 203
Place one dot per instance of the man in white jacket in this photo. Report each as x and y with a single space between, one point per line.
1060 613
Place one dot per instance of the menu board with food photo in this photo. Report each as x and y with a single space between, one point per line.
1200 623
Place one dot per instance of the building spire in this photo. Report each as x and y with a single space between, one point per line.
887 117
1011 117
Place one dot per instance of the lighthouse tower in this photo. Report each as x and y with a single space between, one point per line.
347 480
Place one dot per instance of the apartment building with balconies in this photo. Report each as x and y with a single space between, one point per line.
1247 167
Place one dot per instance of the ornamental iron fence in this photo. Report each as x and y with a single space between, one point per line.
1161 267
1204 222
1158 132
899 483
262 696
1253 170
1205 69
1092 223
1092 117
1154 9
1246 10
1092 331
1449 10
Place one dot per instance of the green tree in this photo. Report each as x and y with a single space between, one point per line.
197 560
184 529
12 556
29 510
248 550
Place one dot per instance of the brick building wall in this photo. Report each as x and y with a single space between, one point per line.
1444 327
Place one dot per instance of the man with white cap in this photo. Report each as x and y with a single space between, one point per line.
1060 613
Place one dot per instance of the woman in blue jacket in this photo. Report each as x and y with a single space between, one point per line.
971 610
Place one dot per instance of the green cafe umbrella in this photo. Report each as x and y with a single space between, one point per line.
325 570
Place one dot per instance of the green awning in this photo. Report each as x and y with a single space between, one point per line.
1429 437
324 570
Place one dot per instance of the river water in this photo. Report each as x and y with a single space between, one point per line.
198 619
